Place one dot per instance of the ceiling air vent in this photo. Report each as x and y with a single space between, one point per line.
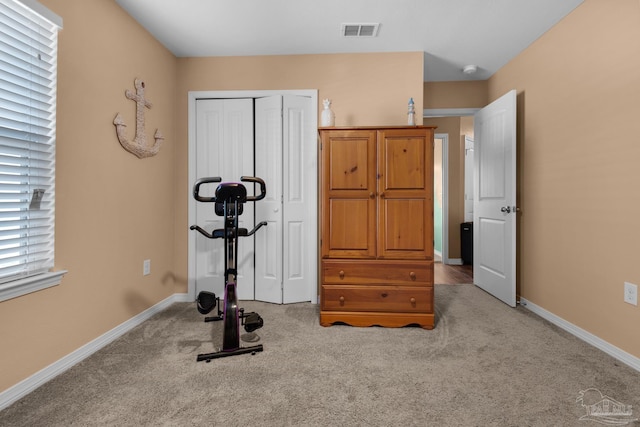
360 30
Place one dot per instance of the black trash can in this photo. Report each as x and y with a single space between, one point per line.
466 242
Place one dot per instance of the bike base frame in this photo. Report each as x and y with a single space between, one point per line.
207 357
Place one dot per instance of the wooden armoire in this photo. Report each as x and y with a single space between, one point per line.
376 227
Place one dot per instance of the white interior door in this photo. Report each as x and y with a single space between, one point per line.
224 148
286 158
494 229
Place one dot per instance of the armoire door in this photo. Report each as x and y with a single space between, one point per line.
224 147
286 158
349 182
405 194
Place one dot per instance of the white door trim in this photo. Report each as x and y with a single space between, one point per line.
193 97
445 195
449 112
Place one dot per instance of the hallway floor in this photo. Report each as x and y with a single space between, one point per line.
446 274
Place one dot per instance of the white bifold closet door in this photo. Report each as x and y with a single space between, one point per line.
286 158
274 138
224 148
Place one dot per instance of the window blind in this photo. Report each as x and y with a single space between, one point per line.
28 68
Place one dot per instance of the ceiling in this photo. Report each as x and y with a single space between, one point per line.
451 33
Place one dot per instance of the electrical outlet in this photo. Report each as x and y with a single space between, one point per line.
146 267
631 293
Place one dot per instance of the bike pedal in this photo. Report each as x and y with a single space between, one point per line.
252 322
206 302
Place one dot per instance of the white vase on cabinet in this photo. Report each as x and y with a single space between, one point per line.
327 118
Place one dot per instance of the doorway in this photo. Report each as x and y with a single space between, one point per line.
494 195
451 125
447 271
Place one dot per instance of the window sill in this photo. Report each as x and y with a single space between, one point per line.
31 284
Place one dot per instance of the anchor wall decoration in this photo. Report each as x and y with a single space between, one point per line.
139 146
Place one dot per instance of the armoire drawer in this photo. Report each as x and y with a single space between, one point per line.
393 298
369 272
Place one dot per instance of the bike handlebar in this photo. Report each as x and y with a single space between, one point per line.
198 197
196 188
263 187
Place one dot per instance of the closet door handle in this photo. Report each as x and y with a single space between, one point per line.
372 195
382 195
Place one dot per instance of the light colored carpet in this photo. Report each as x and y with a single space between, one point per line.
484 364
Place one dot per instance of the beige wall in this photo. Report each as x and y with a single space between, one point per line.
466 126
579 167
112 209
347 79
466 94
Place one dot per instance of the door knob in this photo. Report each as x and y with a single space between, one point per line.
505 209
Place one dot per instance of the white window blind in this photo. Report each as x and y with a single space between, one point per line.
28 68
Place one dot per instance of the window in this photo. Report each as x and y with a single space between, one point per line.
28 68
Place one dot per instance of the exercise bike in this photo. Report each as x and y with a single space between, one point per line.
229 200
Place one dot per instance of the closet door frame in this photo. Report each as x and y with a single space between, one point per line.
193 97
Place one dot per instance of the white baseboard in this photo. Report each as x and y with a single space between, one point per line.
455 261
599 343
28 385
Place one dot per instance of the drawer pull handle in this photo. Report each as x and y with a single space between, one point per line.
413 301
384 295
341 300
412 275
341 274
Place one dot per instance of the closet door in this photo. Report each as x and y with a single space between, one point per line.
300 198
268 151
224 147
286 158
